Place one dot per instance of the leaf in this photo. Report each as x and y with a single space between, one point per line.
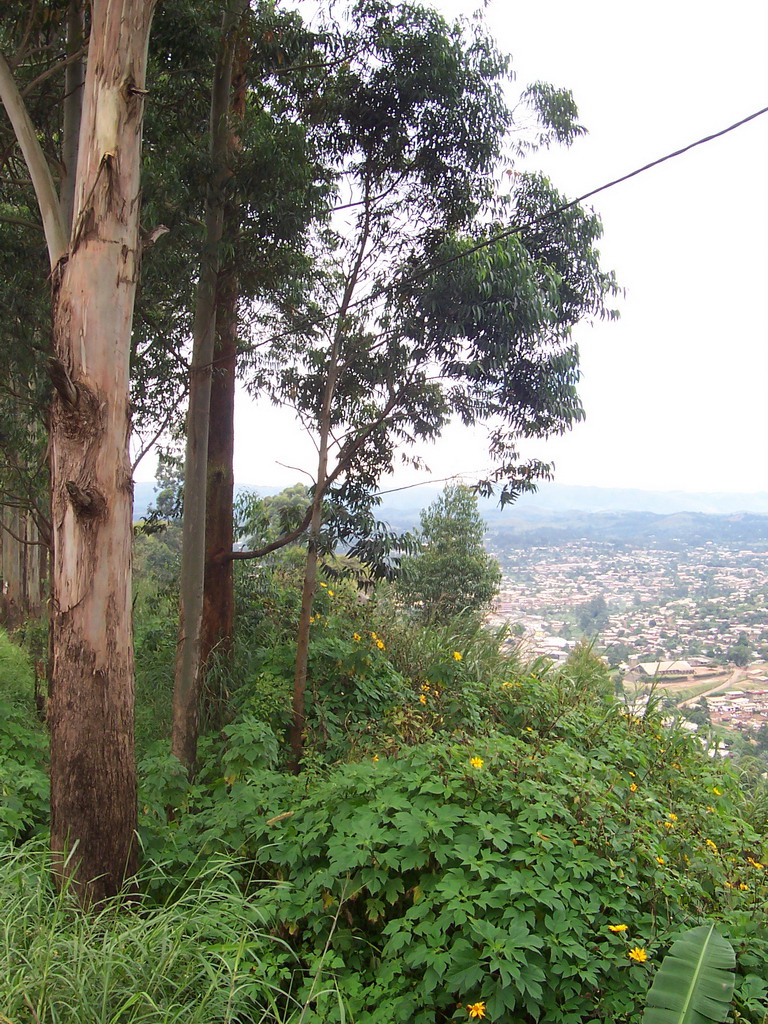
694 984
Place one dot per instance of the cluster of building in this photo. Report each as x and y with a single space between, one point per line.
692 621
658 605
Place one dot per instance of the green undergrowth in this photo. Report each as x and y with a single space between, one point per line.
23 748
516 866
466 831
200 958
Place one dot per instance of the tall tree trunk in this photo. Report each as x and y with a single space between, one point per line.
219 585
12 566
218 595
186 692
94 271
93 779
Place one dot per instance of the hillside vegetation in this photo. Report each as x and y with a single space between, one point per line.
470 837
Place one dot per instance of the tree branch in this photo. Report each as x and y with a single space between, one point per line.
39 170
287 538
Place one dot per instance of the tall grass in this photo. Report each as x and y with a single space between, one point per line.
200 958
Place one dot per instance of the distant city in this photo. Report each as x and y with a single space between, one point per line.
689 619
671 587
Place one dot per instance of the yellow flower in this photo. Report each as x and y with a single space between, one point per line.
633 775
711 845
638 954
615 928
678 766
457 656
323 584
710 809
755 863
380 645
671 816
633 788
356 637
374 637
476 1009
744 888
423 699
659 860
717 791
330 593
476 762
425 687
311 618
669 824
375 758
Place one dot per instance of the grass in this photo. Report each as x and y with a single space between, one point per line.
201 957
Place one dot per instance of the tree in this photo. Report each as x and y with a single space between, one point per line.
452 573
432 305
186 695
261 185
740 653
94 265
593 615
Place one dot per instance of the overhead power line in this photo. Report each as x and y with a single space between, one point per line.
517 228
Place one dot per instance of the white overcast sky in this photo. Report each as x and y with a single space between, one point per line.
675 391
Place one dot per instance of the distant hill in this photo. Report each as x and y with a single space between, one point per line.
558 513
636 529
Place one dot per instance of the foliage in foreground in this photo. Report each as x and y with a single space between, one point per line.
466 832
541 866
23 748
200 958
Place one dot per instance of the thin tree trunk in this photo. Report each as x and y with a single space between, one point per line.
298 725
218 596
187 681
33 583
93 779
12 566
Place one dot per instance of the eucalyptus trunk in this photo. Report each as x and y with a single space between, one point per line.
93 778
218 593
74 80
12 566
187 681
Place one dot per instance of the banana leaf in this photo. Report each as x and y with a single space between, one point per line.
694 984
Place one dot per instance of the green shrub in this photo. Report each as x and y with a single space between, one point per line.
23 748
517 867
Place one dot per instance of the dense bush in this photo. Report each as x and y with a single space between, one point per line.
23 748
465 832
517 867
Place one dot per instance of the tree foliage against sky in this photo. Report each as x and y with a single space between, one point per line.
452 572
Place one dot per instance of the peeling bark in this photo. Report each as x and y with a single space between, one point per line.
93 780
